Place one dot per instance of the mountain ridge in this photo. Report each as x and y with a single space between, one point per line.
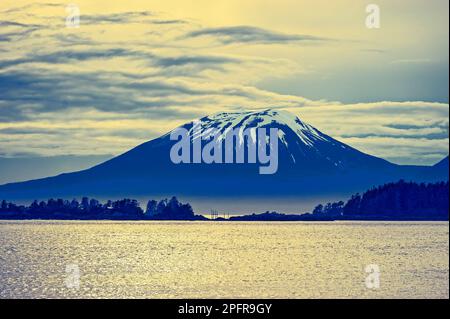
310 163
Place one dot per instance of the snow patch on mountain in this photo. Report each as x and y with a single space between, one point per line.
226 121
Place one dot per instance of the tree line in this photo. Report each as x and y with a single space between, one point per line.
91 208
400 200
393 201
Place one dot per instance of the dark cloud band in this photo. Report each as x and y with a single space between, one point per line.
249 34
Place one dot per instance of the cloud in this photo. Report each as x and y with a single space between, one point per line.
250 34
173 21
379 51
116 18
15 35
71 55
403 150
412 61
15 24
28 7
396 131
124 78
199 60
428 136
26 131
26 93
16 31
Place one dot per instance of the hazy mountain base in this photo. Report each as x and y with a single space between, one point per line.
15 169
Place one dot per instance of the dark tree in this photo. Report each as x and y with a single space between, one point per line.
151 207
401 200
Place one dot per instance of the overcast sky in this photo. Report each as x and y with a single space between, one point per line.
135 69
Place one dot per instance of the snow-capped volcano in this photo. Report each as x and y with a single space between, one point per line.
309 162
261 119
301 146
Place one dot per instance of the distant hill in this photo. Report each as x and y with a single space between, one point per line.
442 165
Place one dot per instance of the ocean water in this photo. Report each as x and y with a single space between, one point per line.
59 259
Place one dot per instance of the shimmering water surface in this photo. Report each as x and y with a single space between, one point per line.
222 260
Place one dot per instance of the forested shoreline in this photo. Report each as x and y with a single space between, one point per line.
393 201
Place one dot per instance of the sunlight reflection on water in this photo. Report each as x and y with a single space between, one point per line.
223 260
